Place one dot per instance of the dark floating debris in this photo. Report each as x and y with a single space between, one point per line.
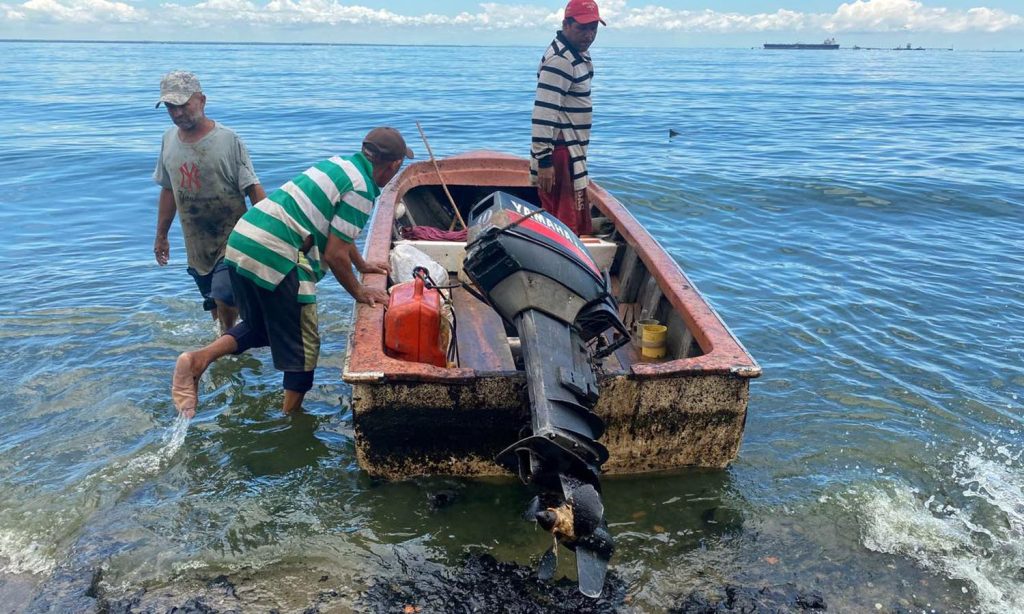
746 599
224 582
196 605
442 498
485 584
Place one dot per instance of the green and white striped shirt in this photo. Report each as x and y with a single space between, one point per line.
334 196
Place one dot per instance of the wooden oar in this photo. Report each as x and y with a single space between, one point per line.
458 216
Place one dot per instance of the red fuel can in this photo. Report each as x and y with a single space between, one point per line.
412 324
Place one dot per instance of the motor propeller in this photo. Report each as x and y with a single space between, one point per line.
575 519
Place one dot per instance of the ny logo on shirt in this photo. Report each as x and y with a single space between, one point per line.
189 176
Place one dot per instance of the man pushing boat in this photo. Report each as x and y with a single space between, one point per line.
281 248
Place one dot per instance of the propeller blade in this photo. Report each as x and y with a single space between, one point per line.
588 509
591 568
593 552
569 484
531 509
548 562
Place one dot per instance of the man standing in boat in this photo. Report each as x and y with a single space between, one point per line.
562 117
281 248
205 173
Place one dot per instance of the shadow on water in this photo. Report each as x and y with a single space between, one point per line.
273 447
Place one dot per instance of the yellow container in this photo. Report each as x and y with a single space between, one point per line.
653 342
638 331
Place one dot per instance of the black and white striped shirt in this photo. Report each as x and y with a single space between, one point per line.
562 110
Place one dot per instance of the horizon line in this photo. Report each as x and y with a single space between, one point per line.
329 44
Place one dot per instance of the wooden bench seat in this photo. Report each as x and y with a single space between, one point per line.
480 335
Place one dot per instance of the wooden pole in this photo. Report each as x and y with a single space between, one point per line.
451 201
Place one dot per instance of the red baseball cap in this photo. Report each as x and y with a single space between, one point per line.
583 11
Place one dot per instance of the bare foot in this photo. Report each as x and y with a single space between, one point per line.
185 386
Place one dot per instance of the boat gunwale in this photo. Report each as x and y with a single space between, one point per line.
366 361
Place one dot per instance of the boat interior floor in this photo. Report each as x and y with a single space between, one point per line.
480 334
484 342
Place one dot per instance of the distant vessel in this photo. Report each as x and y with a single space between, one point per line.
830 43
908 47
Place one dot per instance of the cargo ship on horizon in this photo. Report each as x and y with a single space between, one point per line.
829 43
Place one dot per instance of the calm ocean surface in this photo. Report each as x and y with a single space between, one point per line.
856 217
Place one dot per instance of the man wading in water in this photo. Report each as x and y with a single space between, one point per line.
561 118
277 253
205 173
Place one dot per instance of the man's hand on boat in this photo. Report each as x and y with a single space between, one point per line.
340 257
382 268
371 296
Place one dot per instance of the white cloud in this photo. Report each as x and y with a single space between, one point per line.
657 18
76 11
504 16
856 16
213 13
11 14
910 15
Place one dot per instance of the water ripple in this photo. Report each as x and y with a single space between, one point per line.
855 217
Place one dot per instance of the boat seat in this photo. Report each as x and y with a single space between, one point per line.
480 335
451 253
601 250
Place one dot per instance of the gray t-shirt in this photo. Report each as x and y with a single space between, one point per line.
209 179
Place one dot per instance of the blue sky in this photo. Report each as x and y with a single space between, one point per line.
963 24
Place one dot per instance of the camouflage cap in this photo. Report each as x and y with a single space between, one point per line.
177 87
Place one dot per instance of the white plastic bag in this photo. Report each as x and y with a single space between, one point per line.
405 258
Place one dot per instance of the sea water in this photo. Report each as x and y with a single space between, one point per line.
856 217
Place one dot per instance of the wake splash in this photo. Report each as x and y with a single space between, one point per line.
34 549
150 463
21 554
976 535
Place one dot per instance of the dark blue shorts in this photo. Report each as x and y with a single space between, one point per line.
214 286
276 318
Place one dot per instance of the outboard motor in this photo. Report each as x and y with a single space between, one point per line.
539 277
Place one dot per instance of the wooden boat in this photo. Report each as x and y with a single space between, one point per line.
411 418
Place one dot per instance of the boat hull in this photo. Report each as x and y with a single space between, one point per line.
405 429
417 419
